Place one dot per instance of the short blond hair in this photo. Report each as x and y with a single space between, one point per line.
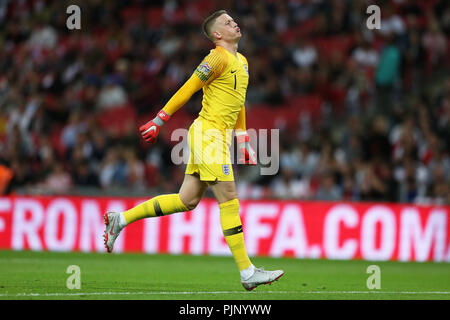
208 23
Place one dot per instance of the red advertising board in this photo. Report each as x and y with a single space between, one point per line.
329 230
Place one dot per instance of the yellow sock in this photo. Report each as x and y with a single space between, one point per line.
232 231
157 206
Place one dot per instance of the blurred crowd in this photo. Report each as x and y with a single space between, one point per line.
384 120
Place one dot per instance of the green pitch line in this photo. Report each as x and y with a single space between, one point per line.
42 275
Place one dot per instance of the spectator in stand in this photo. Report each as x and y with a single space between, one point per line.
307 160
435 44
110 170
404 138
59 180
111 95
387 74
303 54
391 23
70 133
287 186
134 170
84 176
328 190
412 178
376 142
43 36
364 54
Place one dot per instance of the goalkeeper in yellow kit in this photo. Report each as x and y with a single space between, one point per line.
223 75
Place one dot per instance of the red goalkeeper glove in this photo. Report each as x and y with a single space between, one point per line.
248 155
150 130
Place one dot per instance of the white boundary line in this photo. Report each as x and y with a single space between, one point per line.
56 294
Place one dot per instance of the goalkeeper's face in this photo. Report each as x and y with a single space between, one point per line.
227 29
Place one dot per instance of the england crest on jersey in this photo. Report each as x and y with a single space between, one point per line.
246 69
226 169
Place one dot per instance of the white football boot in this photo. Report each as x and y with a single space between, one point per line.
261 276
112 230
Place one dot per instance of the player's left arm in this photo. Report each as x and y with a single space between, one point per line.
150 130
179 99
248 155
208 70
240 122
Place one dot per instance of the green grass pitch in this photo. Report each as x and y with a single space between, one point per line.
42 275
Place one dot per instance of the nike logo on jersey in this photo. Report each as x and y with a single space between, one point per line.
233 71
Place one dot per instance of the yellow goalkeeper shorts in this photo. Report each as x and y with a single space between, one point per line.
209 152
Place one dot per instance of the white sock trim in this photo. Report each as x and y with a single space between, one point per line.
247 273
122 221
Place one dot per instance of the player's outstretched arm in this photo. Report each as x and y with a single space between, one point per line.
248 155
209 69
150 130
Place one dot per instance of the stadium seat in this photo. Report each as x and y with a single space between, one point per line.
328 45
117 119
55 140
307 103
155 16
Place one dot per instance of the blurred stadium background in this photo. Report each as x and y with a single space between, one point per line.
364 118
364 114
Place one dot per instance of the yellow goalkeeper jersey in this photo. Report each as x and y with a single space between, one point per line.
226 80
